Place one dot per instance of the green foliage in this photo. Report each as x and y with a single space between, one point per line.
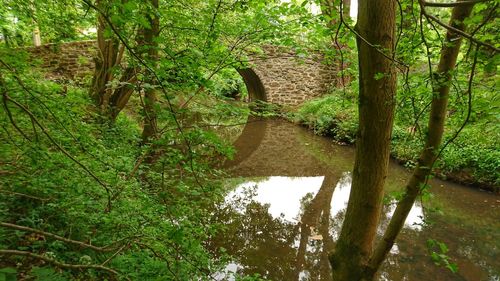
66 172
58 21
334 115
8 274
438 251
49 274
156 216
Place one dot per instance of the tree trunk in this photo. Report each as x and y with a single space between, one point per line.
377 87
110 53
37 39
150 34
346 9
105 60
441 87
317 215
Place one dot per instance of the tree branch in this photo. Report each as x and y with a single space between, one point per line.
57 263
456 30
57 237
44 130
452 4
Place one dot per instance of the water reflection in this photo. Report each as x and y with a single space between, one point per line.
288 198
284 196
271 190
311 210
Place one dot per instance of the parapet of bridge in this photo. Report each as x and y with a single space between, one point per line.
277 75
68 61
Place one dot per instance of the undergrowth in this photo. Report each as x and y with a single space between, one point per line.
472 158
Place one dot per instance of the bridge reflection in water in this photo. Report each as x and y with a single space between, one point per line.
290 191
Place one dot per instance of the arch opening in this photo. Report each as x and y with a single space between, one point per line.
255 88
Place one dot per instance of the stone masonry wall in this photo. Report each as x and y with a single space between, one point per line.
73 60
290 80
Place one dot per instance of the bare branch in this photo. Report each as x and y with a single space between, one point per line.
57 263
7 110
57 237
390 57
24 195
115 254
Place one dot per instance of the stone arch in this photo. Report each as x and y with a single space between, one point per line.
280 76
255 87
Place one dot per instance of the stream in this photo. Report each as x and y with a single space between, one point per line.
286 200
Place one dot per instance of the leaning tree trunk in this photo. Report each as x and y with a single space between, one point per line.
377 87
441 87
150 34
316 215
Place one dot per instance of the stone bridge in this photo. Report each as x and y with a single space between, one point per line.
277 75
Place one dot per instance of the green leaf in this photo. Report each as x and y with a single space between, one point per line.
378 76
443 247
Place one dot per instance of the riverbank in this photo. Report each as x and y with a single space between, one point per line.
471 159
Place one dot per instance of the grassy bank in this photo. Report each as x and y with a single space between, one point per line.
472 158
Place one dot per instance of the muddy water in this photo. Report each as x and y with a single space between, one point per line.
287 197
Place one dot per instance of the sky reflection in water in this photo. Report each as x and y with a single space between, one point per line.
284 195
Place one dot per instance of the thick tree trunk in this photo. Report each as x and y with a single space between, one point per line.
377 80
121 95
441 87
105 60
150 34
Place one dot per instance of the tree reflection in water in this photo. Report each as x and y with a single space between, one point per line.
312 191
292 248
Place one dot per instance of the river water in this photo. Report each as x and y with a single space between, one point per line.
286 200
